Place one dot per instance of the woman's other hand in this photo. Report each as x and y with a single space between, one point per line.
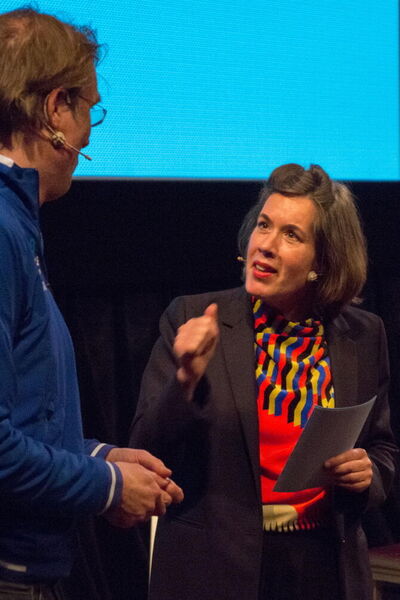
351 470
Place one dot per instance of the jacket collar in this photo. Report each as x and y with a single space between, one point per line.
21 188
237 340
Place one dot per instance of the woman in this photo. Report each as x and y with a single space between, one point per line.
229 387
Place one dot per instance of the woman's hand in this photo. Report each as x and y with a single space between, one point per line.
194 346
351 470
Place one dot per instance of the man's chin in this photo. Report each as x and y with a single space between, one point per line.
58 191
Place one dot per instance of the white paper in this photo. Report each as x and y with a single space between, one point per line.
328 432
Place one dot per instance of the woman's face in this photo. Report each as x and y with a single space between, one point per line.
281 253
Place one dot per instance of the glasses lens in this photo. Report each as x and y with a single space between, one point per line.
97 115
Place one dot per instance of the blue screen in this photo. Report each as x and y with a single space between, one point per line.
231 89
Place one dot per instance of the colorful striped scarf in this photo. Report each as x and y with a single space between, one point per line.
293 375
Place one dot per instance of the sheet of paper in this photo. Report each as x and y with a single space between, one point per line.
329 431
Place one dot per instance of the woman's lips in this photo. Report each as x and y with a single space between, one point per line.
262 270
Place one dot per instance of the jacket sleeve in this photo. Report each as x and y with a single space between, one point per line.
164 417
379 440
33 473
376 436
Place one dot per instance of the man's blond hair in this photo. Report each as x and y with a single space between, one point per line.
39 53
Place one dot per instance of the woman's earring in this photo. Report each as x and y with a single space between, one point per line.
312 276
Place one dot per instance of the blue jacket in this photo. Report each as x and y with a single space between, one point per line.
47 476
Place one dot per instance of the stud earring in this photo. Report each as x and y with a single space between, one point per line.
312 276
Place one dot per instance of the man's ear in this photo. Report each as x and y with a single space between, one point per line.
55 105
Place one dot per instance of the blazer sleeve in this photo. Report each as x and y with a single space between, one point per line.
376 436
164 417
379 440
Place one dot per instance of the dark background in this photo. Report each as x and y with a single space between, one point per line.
117 253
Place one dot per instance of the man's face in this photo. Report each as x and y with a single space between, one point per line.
74 123
77 126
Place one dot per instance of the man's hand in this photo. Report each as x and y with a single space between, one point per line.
144 494
194 346
351 470
141 457
152 463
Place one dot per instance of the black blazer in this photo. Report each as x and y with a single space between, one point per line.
210 546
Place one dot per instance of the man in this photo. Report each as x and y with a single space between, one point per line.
49 475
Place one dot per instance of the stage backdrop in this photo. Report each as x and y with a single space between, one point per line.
230 89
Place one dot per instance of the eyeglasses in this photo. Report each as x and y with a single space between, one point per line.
97 112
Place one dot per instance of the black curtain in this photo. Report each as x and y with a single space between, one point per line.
117 253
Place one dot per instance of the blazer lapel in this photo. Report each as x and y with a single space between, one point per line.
237 340
344 364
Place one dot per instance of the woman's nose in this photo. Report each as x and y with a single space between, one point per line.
269 244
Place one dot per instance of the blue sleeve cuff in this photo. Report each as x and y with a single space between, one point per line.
115 489
97 449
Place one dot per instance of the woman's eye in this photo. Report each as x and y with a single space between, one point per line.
262 225
292 235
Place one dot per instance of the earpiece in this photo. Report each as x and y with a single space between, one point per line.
58 141
57 138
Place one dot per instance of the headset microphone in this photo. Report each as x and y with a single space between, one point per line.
58 141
